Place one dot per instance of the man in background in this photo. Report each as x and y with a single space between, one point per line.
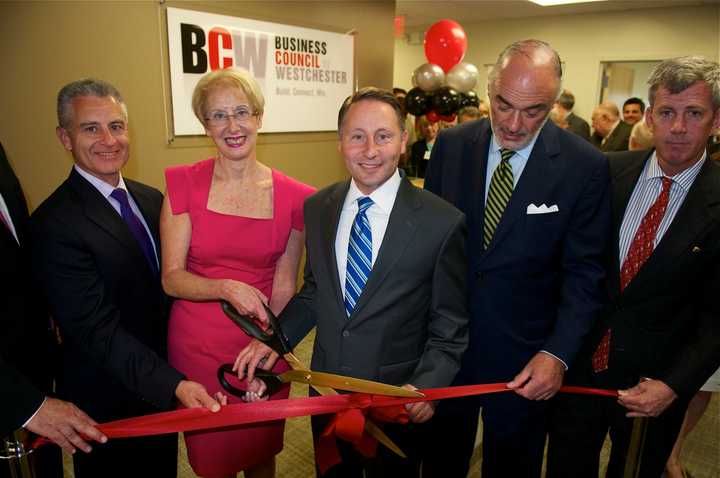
633 110
575 124
610 133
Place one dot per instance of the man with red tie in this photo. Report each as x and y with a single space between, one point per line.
657 339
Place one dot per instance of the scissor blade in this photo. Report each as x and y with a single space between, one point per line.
341 382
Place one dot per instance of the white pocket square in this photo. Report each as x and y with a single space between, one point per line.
542 209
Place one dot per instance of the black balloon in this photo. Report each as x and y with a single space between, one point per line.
445 101
417 102
469 99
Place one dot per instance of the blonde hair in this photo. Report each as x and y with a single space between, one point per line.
641 137
227 78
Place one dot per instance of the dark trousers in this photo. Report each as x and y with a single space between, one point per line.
513 441
578 428
385 464
154 456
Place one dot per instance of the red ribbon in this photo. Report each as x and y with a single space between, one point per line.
348 423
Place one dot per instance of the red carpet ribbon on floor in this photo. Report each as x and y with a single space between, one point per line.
348 424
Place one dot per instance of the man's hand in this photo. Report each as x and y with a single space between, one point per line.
255 354
193 394
540 379
419 412
66 425
649 398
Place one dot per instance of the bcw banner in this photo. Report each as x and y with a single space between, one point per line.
304 74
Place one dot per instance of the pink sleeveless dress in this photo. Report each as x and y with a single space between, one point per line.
200 336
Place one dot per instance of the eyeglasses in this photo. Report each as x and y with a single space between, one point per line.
222 118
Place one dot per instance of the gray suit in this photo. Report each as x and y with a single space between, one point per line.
410 322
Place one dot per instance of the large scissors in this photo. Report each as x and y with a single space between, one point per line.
323 383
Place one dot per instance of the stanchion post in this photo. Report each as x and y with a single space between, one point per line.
633 461
16 453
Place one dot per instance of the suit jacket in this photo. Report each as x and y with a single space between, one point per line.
410 322
666 323
538 285
578 126
25 343
619 139
106 299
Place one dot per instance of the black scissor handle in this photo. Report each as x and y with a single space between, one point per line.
276 341
272 382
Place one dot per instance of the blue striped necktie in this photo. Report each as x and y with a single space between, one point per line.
359 259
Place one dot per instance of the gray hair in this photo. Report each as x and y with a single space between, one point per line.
678 74
84 87
641 137
527 48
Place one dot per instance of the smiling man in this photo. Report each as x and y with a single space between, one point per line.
95 255
657 340
535 197
384 279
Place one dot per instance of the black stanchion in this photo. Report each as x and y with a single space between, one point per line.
17 454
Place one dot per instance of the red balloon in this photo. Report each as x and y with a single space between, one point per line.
445 44
432 117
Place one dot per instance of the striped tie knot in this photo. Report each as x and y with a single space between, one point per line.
364 204
506 154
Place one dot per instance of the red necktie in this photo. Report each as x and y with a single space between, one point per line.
641 247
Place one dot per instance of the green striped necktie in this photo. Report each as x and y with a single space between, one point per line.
501 187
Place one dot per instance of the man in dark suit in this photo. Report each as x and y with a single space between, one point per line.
535 197
27 345
610 133
658 336
389 305
95 256
575 124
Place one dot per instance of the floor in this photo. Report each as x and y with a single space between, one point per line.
701 453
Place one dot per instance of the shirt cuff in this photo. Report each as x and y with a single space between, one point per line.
556 358
33 415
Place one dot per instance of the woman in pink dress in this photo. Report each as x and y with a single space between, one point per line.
231 229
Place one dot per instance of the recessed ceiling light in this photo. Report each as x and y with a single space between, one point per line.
552 3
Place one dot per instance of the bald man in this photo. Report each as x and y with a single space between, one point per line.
610 133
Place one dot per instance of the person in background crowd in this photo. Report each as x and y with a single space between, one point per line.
468 113
231 229
95 255
538 218
575 124
421 149
657 339
610 134
410 125
641 137
633 110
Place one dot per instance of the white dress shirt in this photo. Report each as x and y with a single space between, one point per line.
378 215
8 220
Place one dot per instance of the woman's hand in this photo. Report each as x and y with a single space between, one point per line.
246 299
255 354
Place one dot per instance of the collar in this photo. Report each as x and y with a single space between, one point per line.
104 188
524 152
383 197
683 179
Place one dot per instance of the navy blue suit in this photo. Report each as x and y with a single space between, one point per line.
537 287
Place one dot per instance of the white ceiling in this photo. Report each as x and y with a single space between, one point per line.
419 14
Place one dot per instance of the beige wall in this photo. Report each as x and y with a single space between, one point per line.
45 44
583 41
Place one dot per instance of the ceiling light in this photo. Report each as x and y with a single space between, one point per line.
552 3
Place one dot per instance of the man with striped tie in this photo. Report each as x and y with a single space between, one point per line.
657 340
535 197
384 279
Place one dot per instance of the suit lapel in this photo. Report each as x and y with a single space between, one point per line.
700 209
99 211
400 231
533 183
475 157
333 207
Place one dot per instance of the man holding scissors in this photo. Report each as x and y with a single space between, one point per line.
384 279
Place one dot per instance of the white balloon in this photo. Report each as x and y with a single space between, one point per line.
428 77
463 77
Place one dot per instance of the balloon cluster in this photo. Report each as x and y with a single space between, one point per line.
444 84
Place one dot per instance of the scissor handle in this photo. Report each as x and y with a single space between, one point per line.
271 380
276 341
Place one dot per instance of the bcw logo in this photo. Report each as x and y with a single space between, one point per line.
222 49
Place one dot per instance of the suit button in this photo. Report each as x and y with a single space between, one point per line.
346 333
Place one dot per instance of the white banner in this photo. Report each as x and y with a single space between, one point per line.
304 74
